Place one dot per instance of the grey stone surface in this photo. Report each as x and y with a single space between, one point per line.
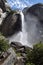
11 59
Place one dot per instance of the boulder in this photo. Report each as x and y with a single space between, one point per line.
11 24
19 47
16 44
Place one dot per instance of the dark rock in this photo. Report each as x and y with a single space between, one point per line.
2 5
11 24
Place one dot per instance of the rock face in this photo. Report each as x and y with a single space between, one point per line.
34 23
11 24
21 52
25 10
36 10
2 5
11 58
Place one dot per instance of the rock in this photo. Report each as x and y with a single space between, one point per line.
27 47
24 55
16 44
2 15
11 24
25 10
19 47
33 17
10 59
2 5
20 61
21 50
36 10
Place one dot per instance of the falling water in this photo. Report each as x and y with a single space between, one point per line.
30 30
23 39
30 33
22 35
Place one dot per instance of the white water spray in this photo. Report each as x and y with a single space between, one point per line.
23 39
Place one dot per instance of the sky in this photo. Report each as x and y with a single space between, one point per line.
21 4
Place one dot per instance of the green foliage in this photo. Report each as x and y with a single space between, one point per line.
18 54
30 64
29 56
3 44
36 54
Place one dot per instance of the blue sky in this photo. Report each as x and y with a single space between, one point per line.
20 4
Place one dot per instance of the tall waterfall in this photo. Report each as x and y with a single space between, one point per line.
23 39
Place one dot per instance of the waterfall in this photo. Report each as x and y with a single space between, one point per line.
22 35
30 33
23 38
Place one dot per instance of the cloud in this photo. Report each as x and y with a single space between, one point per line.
20 4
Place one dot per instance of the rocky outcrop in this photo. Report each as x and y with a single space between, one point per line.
10 21
21 52
11 24
36 10
11 59
19 46
2 5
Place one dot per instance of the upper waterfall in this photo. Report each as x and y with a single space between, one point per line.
23 39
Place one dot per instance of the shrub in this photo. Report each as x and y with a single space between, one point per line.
3 43
30 64
36 55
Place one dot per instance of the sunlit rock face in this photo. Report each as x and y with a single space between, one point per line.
34 23
2 16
